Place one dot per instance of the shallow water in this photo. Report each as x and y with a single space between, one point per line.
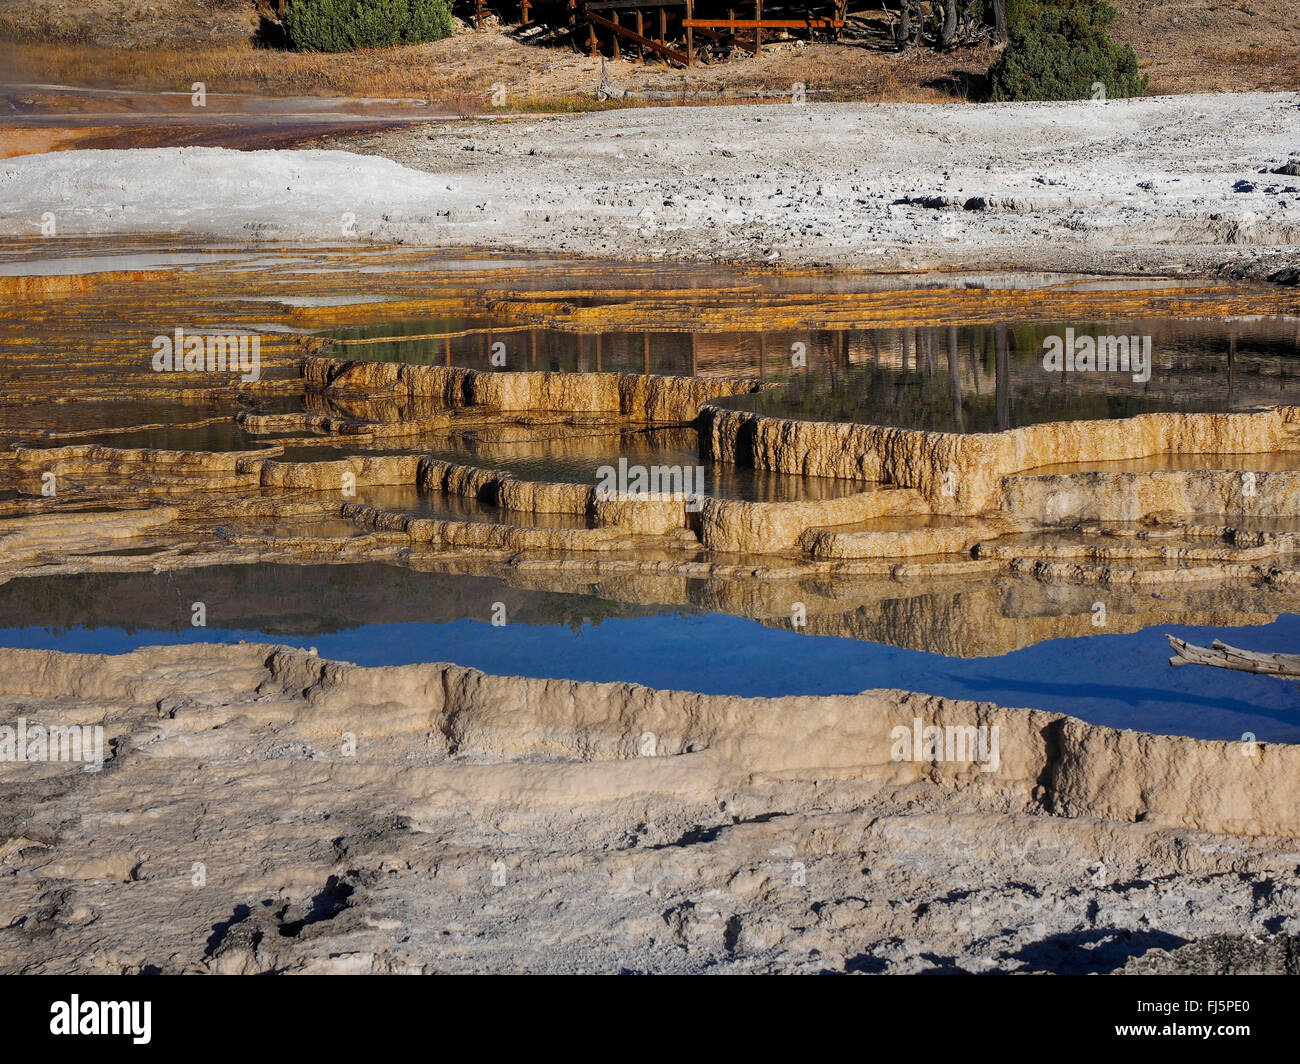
33 419
576 456
547 350
407 499
550 314
217 437
992 378
161 423
964 378
376 615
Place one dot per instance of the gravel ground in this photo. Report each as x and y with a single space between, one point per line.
1175 184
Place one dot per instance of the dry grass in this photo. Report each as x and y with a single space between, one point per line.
1213 45
459 73
393 73
1185 46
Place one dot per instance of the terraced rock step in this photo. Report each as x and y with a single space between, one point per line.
764 834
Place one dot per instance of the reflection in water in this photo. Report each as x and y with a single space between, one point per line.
573 454
219 436
964 378
474 344
576 459
991 378
380 615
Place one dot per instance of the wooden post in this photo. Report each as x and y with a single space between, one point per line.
617 55
573 13
758 30
523 12
667 51
640 32
663 26
449 350
690 34
591 41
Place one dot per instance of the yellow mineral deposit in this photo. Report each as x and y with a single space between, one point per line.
928 545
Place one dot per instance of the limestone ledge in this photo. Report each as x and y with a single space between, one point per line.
764 527
830 543
834 529
705 743
449 534
637 396
1063 498
963 473
336 425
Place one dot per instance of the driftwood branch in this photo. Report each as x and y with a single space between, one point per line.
1225 657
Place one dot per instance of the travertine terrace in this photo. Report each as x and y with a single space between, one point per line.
756 834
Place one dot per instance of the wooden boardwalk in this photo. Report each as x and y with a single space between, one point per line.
674 31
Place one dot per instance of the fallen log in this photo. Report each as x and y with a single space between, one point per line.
1222 656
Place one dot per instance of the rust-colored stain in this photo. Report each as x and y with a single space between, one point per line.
87 335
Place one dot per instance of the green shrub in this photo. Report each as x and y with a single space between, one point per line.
1016 10
1060 50
345 25
1019 11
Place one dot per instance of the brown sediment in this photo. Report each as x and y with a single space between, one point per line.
105 321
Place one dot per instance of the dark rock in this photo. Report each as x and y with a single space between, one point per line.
934 203
1223 955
